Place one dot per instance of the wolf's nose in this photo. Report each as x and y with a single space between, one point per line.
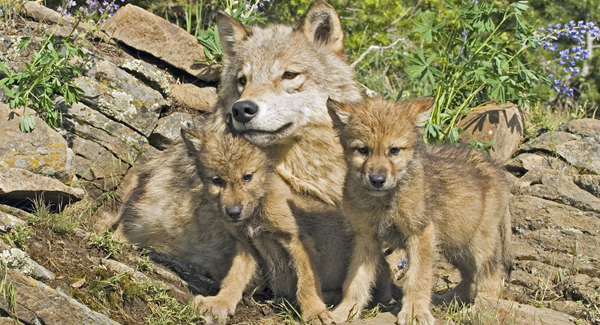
243 111
234 211
377 180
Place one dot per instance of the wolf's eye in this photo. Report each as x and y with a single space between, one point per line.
394 151
289 75
363 150
217 181
246 178
242 80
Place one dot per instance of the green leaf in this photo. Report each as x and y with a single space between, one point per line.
27 123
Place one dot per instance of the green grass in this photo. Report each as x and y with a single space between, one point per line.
17 236
60 223
105 243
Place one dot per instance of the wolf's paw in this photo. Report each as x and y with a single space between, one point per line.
217 306
416 316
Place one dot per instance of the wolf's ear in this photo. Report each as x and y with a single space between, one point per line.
339 114
194 140
231 32
422 109
321 25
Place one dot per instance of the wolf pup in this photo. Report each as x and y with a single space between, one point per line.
270 221
411 195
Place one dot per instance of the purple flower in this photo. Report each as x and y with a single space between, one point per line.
403 263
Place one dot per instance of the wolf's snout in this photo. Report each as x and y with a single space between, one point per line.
377 180
243 111
234 211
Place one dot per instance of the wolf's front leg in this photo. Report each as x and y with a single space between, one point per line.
308 292
417 288
362 272
233 285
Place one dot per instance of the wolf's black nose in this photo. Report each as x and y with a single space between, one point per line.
243 111
234 211
377 180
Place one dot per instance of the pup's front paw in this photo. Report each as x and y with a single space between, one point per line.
421 316
216 306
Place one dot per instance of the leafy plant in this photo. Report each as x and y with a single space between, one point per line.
473 59
245 11
17 236
105 243
48 73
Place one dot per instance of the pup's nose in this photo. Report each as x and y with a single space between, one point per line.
377 180
243 111
234 211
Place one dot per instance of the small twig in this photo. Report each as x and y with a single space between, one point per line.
373 48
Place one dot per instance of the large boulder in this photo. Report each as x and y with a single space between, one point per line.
149 33
42 151
503 124
169 129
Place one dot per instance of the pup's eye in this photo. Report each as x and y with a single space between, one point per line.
242 80
217 181
289 75
394 151
246 178
363 150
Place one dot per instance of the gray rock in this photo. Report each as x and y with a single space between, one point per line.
49 305
502 124
585 127
21 185
149 33
590 183
169 129
17 259
93 162
149 74
552 185
119 95
583 153
9 221
529 161
42 151
87 123
201 99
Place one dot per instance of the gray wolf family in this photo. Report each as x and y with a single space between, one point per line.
298 182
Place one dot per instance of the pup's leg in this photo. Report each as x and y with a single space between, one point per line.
233 285
309 287
366 255
463 260
417 288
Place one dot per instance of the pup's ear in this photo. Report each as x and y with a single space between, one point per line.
422 108
321 25
339 114
194 140
231 32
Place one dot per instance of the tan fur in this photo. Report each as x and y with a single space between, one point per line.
446 196
295 239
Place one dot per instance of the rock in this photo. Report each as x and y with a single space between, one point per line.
119 95
38 301
149 33
498 123
17 259
38 12
42 151
150 75
552 185
94 163
169 129
8 222
87 123
590 183
583 153
529 161
585 127
202 99
515 313
19 185
380 318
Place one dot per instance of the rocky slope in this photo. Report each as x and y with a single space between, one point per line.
61 266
